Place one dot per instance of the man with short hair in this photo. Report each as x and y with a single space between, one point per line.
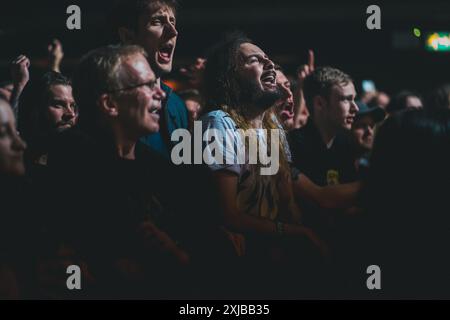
320 150
152 25
117 180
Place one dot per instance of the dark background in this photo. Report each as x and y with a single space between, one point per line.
336 30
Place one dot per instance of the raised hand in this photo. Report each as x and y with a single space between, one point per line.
306 69
19 71
55 55
300 110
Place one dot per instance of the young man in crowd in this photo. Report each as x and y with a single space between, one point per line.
259 206
323 153
152 25
147 237
320 150
290 111
119 103
46 108
363 134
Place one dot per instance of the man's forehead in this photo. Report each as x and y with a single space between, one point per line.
136 68
344 88
60 91
248 48
155 9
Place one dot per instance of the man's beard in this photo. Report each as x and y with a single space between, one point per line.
252 94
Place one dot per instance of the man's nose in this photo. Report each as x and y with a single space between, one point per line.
354 107
18 144
171 30
69 112
269 64
159 94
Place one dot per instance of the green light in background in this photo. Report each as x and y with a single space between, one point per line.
417 32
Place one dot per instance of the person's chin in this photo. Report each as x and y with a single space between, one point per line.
164 68
152 128
367 145
347 126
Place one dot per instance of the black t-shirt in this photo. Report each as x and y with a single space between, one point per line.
101 200
324 166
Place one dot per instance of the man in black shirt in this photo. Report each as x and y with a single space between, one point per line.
321 150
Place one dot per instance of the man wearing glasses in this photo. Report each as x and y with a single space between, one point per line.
117 221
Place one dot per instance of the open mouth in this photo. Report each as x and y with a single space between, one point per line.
350 120
269 78
287 115
66 124
165 52
154 110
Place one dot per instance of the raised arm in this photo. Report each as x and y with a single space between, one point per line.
20 77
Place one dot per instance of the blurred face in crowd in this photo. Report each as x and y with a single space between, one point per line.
157 34
193 107
257 77
340 108
382 100
363 132
285 107
139 101
11 145
413 102
61 110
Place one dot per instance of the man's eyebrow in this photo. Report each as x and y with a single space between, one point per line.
161 16
256 55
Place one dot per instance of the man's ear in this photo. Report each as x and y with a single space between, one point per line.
319 103
107 105
126 35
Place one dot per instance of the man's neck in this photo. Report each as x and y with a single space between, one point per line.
125 146
257 121
254 117
327 133
125 150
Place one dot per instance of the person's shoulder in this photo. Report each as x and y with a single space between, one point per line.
344 142
175 105
71 147
173 100
218 119
299 135
70 141
150 156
